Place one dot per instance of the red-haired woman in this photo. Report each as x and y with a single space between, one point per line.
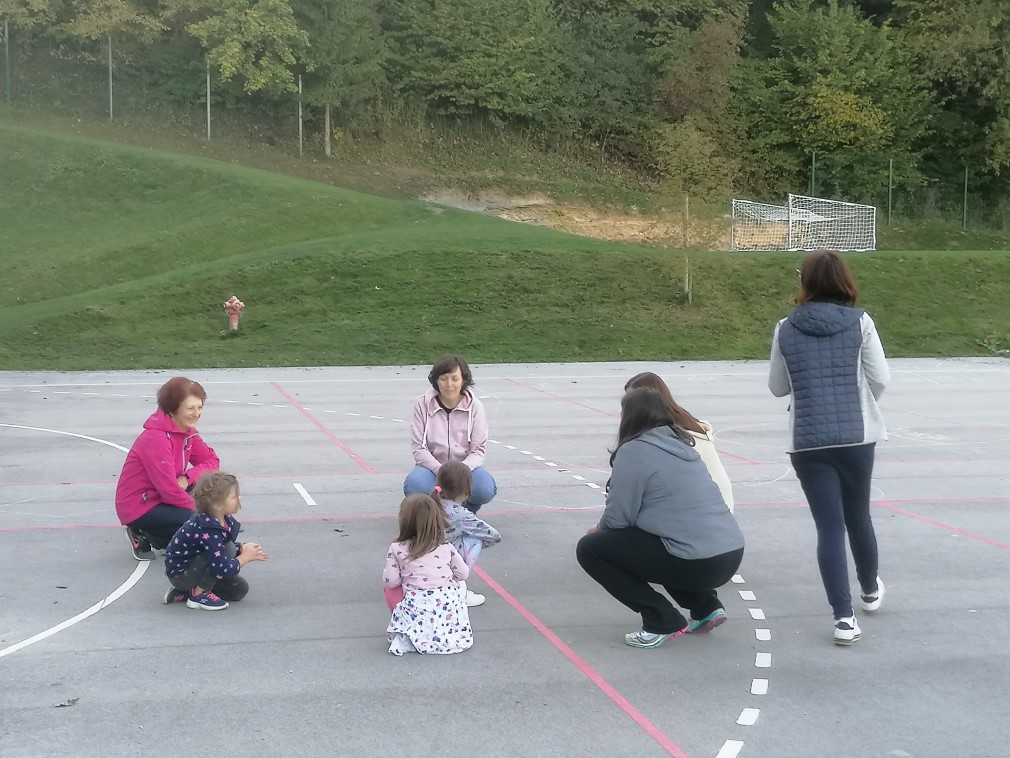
168 457
827 356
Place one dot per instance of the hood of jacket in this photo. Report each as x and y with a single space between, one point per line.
666 440
433 406
820 319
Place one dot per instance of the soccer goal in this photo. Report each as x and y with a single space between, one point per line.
804 223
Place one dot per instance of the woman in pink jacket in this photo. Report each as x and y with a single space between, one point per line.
152 498
449 424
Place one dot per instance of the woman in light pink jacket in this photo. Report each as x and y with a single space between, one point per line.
449 424
152 498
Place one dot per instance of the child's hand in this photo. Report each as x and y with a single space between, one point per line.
255 551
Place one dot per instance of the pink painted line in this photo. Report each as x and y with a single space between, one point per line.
322 427
60 482
948 527
611 415
592 674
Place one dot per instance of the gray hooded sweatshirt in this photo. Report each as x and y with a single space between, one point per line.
661 486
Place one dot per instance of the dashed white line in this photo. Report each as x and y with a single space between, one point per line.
254 403
594 485
279 406
58 392
551 464
763 634
759 687
398 420
763 660
305 495
578 478
730 749
510 447
737 579
747 595
748 717
526 452
228 401
757 614
538 457
378 418
493 442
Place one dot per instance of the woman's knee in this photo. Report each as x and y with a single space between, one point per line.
484 487
420 480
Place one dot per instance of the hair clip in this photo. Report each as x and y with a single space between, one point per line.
438 489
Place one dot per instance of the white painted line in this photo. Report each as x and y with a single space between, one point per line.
759 687
748 717
551 464
152 397
279 406
375 417
730 749
83 393
254 403
353 414
58 392
526 452
578 478
229 401
493 442
398 420
538 457
115 394
763 660
757 614
594 485
305 495
329 411
304 408
737 579
763 634
103 603
746 595
68 434
510 447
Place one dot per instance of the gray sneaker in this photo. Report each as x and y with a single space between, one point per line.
139 544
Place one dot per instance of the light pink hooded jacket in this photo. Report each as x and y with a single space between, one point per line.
437 437
162 453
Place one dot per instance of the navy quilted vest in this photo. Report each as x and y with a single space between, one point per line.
820 343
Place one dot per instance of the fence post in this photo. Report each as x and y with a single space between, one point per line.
299 114
7 61
813 174
890 188
208 98
110 76
686 220
964 212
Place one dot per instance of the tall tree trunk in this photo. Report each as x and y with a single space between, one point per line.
326 127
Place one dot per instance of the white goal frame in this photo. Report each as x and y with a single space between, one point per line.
803 224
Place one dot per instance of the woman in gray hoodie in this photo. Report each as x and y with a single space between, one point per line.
665 523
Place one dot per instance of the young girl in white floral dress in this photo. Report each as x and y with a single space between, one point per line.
431 617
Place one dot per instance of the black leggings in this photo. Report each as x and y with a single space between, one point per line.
625 561
200 574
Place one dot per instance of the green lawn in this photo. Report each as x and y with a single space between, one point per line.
121 257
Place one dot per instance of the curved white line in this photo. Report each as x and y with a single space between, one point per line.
108 599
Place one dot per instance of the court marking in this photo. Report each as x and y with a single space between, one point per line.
109 599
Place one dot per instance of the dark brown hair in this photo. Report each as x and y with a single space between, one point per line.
456 481
446 365
422 524
211 489
641 410
682 418
175 390
825 276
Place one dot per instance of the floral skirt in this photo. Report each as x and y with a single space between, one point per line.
431 621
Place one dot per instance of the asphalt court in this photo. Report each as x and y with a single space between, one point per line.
92 664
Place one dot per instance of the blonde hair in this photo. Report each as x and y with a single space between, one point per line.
422 524
453 482
211 490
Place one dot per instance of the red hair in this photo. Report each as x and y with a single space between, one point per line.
177 389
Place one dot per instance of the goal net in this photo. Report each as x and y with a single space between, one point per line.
804 223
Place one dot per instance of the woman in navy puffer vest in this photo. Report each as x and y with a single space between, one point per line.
826 354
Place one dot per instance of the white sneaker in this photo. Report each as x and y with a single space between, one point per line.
846 631
871 603
474 599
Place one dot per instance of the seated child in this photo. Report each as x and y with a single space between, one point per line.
467 533
431 616
203 559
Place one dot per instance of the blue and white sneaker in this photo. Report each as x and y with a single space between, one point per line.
707 624
206 601
871 602
846 630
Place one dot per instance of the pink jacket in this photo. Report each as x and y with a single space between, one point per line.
162 453
437 437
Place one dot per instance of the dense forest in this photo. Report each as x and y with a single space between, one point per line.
715 97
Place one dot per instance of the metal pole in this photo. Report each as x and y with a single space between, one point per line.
890 188
813 172
964 213
110 77
7 61
208 99
299 114
686 220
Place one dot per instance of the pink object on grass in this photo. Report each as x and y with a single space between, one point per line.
234 308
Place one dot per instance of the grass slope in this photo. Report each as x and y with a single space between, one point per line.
119 257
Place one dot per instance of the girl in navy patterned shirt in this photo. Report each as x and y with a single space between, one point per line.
204 558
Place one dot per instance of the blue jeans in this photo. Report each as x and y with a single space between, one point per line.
420 480
836 481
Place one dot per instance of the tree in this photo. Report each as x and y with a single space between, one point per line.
345 53
256 41
835 84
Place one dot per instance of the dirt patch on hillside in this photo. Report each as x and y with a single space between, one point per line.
588 221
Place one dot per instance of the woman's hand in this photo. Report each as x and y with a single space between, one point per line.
592 529
183 482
